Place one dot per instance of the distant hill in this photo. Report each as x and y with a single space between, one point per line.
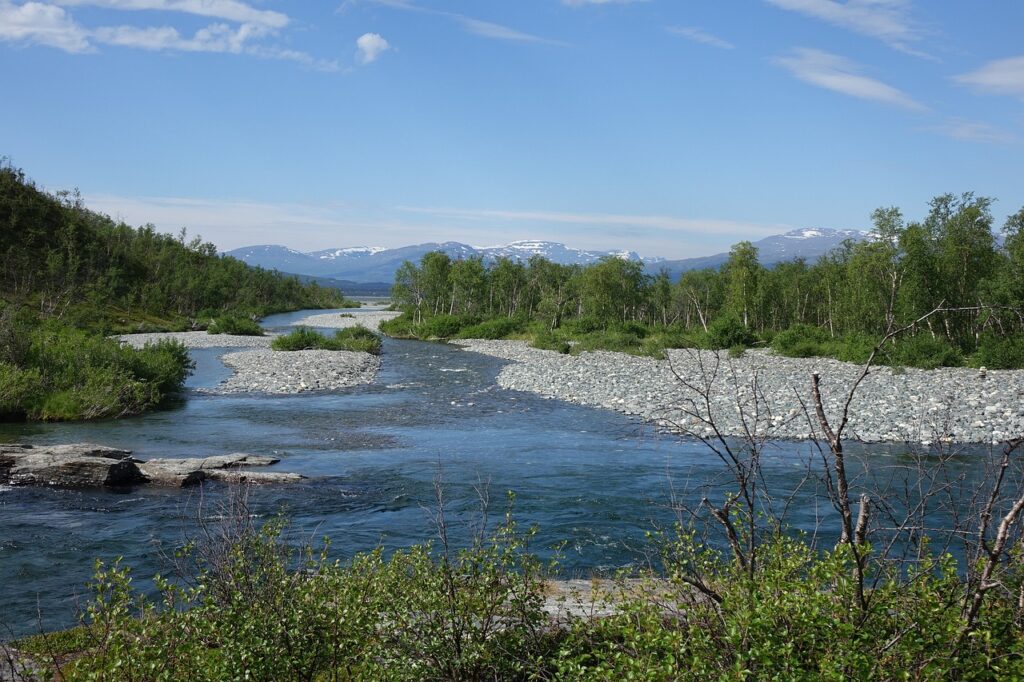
364 264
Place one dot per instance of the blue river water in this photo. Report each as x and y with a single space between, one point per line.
593 479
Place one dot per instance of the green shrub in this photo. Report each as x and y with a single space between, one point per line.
548 340
999 352
497 328
231 324
736 352
400 327
66 374
726 331
444 326
925 351
356 339
802 341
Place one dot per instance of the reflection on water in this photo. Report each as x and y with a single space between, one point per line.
594 479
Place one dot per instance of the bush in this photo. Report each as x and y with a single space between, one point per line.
737 352
231 324
497 328
999 352
444 326
356 339
63 373
726 331
802 341
548 340
925 351
400 327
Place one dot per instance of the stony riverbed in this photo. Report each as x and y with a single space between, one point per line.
370 319
767 394
286 372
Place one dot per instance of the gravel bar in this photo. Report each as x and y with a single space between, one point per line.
370 319
198 340
905 405
290 372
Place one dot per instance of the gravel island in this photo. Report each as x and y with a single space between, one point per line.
370 319
902 405
289 372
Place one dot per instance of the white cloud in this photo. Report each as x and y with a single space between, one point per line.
832 72
698 35
974 131
47 24
229 10
885 20
1000 77
369 46
212 38
41 24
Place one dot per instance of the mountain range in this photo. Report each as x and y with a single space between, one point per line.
369 264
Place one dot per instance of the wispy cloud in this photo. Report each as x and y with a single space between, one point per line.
213 38
245 29
41 24
999 77
229 10
231 223
479 27
651 222
701 36
889 21
832 72
369 46
974 131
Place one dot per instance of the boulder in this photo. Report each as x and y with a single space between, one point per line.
75 465
88 465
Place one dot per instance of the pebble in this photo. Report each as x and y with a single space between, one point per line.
768 393
290 372
198 340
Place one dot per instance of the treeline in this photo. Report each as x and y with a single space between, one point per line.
840 305
69 262
70 276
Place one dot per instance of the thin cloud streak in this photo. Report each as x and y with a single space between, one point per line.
479 27
658 222
832 72
698 35
999 77
974 131
235 223
229 10
886 20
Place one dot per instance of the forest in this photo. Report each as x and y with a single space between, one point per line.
950 279
69 277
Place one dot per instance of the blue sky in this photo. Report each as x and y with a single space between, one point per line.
673 128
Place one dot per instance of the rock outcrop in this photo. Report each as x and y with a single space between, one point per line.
84 465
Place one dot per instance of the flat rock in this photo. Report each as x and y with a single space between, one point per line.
75 465
85 465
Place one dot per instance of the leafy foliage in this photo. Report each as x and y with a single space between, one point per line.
358 339
841 306
233 324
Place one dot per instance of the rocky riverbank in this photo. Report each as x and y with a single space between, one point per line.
198 340
289 372
768 392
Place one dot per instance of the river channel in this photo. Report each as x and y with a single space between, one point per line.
593 479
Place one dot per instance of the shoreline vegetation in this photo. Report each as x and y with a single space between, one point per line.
72 277
955 292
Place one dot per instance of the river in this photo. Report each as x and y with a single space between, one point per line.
591 478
